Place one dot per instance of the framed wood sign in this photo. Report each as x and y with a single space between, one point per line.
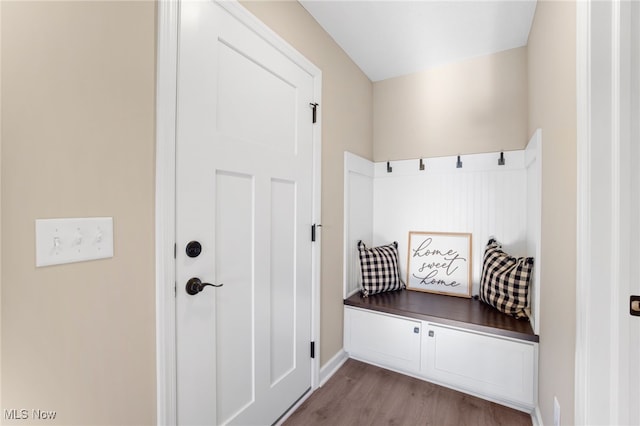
439 262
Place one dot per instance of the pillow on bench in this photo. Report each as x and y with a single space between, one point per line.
379 267
505 281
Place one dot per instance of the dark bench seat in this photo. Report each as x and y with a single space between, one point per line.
455 311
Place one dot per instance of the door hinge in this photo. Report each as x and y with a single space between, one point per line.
175 250
314 105
175 289
313 349
313 231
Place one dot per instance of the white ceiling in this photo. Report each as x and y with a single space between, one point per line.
396 37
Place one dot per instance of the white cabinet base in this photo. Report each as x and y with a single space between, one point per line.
495 368
387 340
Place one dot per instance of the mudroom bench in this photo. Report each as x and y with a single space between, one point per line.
456 342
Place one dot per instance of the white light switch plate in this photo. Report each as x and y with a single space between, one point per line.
73 240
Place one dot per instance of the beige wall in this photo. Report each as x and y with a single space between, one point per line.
78 140
552 107
346 126
478 105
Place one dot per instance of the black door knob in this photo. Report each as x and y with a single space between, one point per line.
194 249
195 286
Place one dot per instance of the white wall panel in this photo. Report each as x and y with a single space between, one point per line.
358 216
533 156
482 198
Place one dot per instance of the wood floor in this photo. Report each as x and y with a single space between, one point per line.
362 394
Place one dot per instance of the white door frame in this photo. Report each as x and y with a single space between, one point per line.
166 87
603 222
583 234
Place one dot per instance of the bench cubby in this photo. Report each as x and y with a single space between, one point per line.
456 342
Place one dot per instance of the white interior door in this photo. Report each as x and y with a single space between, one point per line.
244 188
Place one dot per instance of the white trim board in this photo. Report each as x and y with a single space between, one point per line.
533 164
332 366
583 187
536 417
514 160
358 219
606 373
166 82
166 79
327 371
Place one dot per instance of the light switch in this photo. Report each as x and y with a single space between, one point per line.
73 240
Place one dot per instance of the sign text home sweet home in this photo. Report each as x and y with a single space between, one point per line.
439 263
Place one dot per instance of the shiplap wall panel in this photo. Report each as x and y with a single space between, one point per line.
481 198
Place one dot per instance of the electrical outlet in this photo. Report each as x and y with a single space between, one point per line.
556 411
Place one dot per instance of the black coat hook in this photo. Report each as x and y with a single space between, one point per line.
501 159
389 168
459 163
421 164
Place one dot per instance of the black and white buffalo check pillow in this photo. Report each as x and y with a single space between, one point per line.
505 281
379 266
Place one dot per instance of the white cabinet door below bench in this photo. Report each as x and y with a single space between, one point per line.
492 366
383 339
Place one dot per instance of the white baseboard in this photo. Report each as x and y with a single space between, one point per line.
293 408
330 368
536 417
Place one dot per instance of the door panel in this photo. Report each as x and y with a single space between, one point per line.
269 118
244 190
234 268
283 279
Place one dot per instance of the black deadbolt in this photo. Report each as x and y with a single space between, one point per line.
194 249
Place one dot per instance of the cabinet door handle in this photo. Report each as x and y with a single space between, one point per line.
431 333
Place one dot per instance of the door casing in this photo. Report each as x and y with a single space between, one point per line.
166 104
605 383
